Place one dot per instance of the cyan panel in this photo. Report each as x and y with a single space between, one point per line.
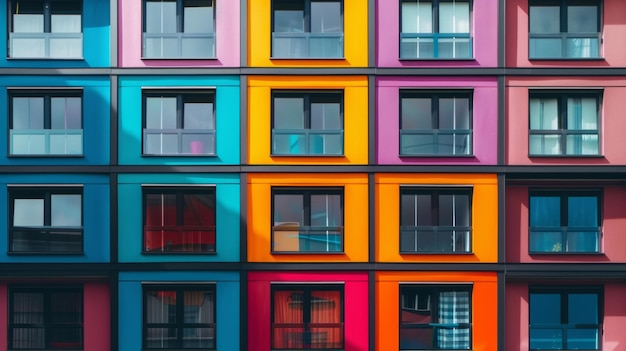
96 118
227 302
96 40
227 119
96 229
130 215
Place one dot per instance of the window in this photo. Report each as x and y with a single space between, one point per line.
567 29
46 123
179 220
45 220
307 123
179 123
565 318
179 317
307 317
307 29
179 29
46 29
435 317
435 123
435 29
564 123
45 317
566 221
307 220
435 220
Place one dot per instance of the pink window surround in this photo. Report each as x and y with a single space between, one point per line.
484 118
484 21
227 36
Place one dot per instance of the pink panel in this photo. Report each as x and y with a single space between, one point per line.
4 311
355 298
226 33
485 37
97 317
516 316
485 118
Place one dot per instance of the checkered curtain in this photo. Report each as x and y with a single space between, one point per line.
454 307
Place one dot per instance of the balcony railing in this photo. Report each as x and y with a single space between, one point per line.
295 238
47 240
46 45
159 239
46 141
307 142
307 45
435 46
555 240
435 239
436 142
564 45
179 142
179 45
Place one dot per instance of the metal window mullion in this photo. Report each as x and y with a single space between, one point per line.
564 317
307 121
307 17
47 17
562 122
435 122
180 25
306 204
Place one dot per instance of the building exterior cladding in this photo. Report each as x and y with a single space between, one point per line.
356 175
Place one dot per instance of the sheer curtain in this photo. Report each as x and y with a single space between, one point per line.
28 309
62 43
582 115
544 116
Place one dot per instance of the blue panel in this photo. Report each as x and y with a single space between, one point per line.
227 103
130 305
96 222
96 118
131 216
96 40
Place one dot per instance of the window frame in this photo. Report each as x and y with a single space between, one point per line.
308 97
435 96
435 193
564 195
179 34
46 291
565 291
180 323
47 95
307 29
436 35
433 291
47 31
307 289
182 97
562 96
563 33
45 194
180 192
306 193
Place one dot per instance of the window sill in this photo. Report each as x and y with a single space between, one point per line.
566 156
306 155
46 156
45 58
434 59
33 253
179 155
308 58
541 253
437 253
178 253
213 58
298 253
566 59
436 156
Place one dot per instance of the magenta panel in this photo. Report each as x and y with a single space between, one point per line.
97 317
484 115
355 310
226 35
484 32
4 311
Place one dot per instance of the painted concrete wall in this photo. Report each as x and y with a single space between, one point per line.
227 118
484 21
611 119
355 305
613 32
483 306
484 118
484 204
226 37
355 203
130 216
613 224
130 304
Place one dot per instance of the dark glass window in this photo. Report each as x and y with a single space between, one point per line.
179 317
307 29
435 29
567 29
435 123
179 220
307 220
565 318
46 29
435 220
45 317
564 123
307 317
307 123
565 221
179 123
179 29
435 317
45 220
45 123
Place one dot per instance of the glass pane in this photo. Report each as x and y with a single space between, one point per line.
462 211
582 211
545 211
289 144
544 114
583 47
582 241
160 210
325 47
454 48
162 47
66 210
199 210
322 144
545 19
582 308
583 145
28 212
453 113
416 114
326 17
546 242
583 339
161 16
198 16
29 338
66 47
198 144
288 208
28 47
417 17
198 116
161 338
454 17
545 308
66 144
417 144
161 113
28 113
289 16
198 307
546 48
161 306
408 241
582 19
66 24
408 208
326 116
28 308
416 339
66 113
288 113
29 144
28 23
326 211
66 307
203 338
582 113
546 339
424 210
198 47
545 145
446 210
